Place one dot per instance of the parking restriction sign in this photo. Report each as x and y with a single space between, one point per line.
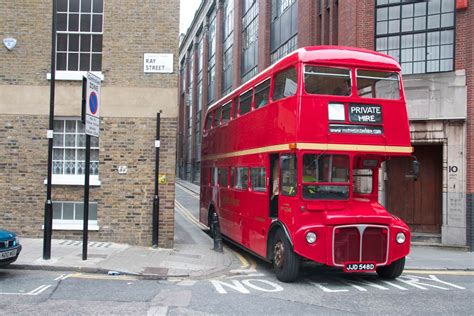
92 105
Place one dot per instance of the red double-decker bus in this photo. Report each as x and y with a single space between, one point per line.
290 162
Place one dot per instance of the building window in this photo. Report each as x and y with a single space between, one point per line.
284 28
228 43
69 149
68 215
249 66
212 58
79 35
419 34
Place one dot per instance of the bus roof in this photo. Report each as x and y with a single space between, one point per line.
343 56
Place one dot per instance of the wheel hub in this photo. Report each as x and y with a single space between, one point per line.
279 251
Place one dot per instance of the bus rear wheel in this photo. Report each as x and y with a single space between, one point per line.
285 262
392 271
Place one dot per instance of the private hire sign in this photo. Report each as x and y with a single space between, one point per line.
158 63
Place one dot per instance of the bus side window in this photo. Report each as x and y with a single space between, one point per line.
288 174
223 177
257 179
217 117
235 108
226 112
262 92
209 120
285 84
245 102
240 178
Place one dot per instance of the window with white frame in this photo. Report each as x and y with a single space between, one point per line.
69 215
79 35
69 149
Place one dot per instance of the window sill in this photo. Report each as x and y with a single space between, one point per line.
73 225
74 75
74 180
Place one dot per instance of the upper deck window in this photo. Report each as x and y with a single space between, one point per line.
378 84
262 91
226 112
217 117
209 120
285 84
326 177
245 101
329 81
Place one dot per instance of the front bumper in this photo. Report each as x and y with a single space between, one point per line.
7 261
359 243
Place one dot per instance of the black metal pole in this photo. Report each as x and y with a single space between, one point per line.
48 206
156 198
85 229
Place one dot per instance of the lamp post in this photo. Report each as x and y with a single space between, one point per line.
48 206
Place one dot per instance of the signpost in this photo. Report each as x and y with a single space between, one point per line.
91 102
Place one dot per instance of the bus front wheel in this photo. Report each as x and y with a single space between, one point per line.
392 271
285 262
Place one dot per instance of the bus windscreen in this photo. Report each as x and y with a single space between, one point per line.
378 84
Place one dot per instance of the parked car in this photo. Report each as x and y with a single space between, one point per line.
9 247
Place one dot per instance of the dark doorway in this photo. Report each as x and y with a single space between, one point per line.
418 203
274 180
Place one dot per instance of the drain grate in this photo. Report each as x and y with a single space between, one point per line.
91 244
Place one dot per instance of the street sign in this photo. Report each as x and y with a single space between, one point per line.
92 105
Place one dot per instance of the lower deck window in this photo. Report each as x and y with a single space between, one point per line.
257 178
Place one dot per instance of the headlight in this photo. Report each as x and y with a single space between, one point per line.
401 238
17 241
311 237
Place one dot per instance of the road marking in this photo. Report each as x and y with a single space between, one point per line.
62 277
274 287
395 285
192 193
440 272
39 289
187 215
326 289
434 278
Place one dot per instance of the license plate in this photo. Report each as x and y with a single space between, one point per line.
359 267
8 254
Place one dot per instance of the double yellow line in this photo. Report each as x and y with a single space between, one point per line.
186 214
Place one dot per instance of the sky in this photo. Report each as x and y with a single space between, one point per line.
186 14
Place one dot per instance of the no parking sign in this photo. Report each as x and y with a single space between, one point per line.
92 105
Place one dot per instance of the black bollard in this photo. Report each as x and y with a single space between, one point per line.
217 234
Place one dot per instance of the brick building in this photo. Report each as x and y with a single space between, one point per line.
110 39
230 41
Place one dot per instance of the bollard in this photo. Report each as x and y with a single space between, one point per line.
217 234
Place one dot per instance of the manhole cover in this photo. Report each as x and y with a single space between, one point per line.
156 271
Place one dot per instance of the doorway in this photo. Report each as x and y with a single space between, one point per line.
418 203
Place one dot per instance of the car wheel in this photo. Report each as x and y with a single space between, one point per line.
392 271
285 262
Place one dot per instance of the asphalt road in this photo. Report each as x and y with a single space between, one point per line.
250 288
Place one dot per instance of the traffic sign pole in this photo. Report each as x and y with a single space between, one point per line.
85 229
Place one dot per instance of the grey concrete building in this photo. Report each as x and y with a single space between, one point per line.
230 41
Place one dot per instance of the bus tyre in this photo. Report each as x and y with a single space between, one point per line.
392 271
285 262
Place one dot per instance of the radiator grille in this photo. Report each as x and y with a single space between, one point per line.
360 243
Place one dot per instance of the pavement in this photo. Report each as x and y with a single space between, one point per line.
192 256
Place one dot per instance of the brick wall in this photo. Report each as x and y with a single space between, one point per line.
124 210
464 60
